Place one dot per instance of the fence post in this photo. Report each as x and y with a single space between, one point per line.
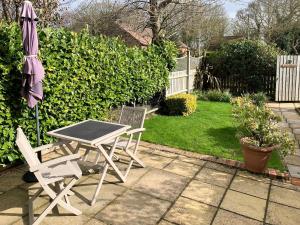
188 68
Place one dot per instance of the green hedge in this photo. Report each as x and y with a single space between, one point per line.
85 76
247 63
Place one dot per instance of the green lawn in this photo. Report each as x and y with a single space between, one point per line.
210 130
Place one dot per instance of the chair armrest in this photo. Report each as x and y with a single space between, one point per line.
44 147
138 130
54 162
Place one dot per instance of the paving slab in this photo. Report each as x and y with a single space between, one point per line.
273 105
250 186
294 125
296 131
53 219
134 208
220 167
95 222
165 222
257 177
293 121
285 196
84 193
283 124
214 177
291 115
294 170
11 179
287 106
244 204
134 175
282 215
13 206
203 192
161 184
191 160
224 217
182 168
285 185
292 159
189 212
165 154
155 161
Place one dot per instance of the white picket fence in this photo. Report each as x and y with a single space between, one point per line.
182 79
288 78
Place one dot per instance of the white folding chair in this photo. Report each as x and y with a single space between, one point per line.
51 176
134 117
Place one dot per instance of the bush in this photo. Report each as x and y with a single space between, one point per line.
247 63
181 104
259 98
214 95
260 126
85 77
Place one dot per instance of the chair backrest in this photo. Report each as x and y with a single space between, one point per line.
133 116
26 149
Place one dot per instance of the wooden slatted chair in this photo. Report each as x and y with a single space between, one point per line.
134 117
51 176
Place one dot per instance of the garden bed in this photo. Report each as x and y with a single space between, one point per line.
210 130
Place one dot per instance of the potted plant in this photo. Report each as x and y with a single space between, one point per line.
259 133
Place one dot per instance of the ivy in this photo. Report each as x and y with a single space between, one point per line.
85 77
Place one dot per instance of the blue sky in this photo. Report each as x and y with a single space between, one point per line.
232 7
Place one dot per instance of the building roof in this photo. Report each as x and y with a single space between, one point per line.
144 37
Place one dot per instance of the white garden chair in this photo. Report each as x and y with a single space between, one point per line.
134 117
51 176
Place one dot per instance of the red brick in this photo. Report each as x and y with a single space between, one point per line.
242 166
295 181
272 173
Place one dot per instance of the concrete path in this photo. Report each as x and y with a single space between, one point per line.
291 123
173 189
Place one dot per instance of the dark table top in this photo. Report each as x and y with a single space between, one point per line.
88 130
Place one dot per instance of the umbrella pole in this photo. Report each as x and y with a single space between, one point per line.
38 130
29 176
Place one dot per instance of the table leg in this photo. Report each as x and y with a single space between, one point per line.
108 162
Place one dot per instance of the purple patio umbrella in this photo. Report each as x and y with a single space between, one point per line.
32 89
33 71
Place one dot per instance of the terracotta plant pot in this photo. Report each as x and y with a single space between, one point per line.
256 158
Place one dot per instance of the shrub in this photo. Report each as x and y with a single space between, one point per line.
247 63
259 98
85 77
214 95
260 126
181 104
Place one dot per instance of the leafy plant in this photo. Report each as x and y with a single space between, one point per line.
248 62
260 126
181 104
259 98
214 95
85 77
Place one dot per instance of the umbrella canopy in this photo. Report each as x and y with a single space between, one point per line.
32 88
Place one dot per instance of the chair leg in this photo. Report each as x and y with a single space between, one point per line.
57 200
30 205
134 157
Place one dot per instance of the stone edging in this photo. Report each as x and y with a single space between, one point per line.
272 173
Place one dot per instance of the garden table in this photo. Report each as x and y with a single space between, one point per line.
93 134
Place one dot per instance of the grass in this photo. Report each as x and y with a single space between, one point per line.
210 130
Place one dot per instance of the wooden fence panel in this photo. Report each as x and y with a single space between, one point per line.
182 79
288 78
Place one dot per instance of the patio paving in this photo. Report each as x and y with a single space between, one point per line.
172 190
291 123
